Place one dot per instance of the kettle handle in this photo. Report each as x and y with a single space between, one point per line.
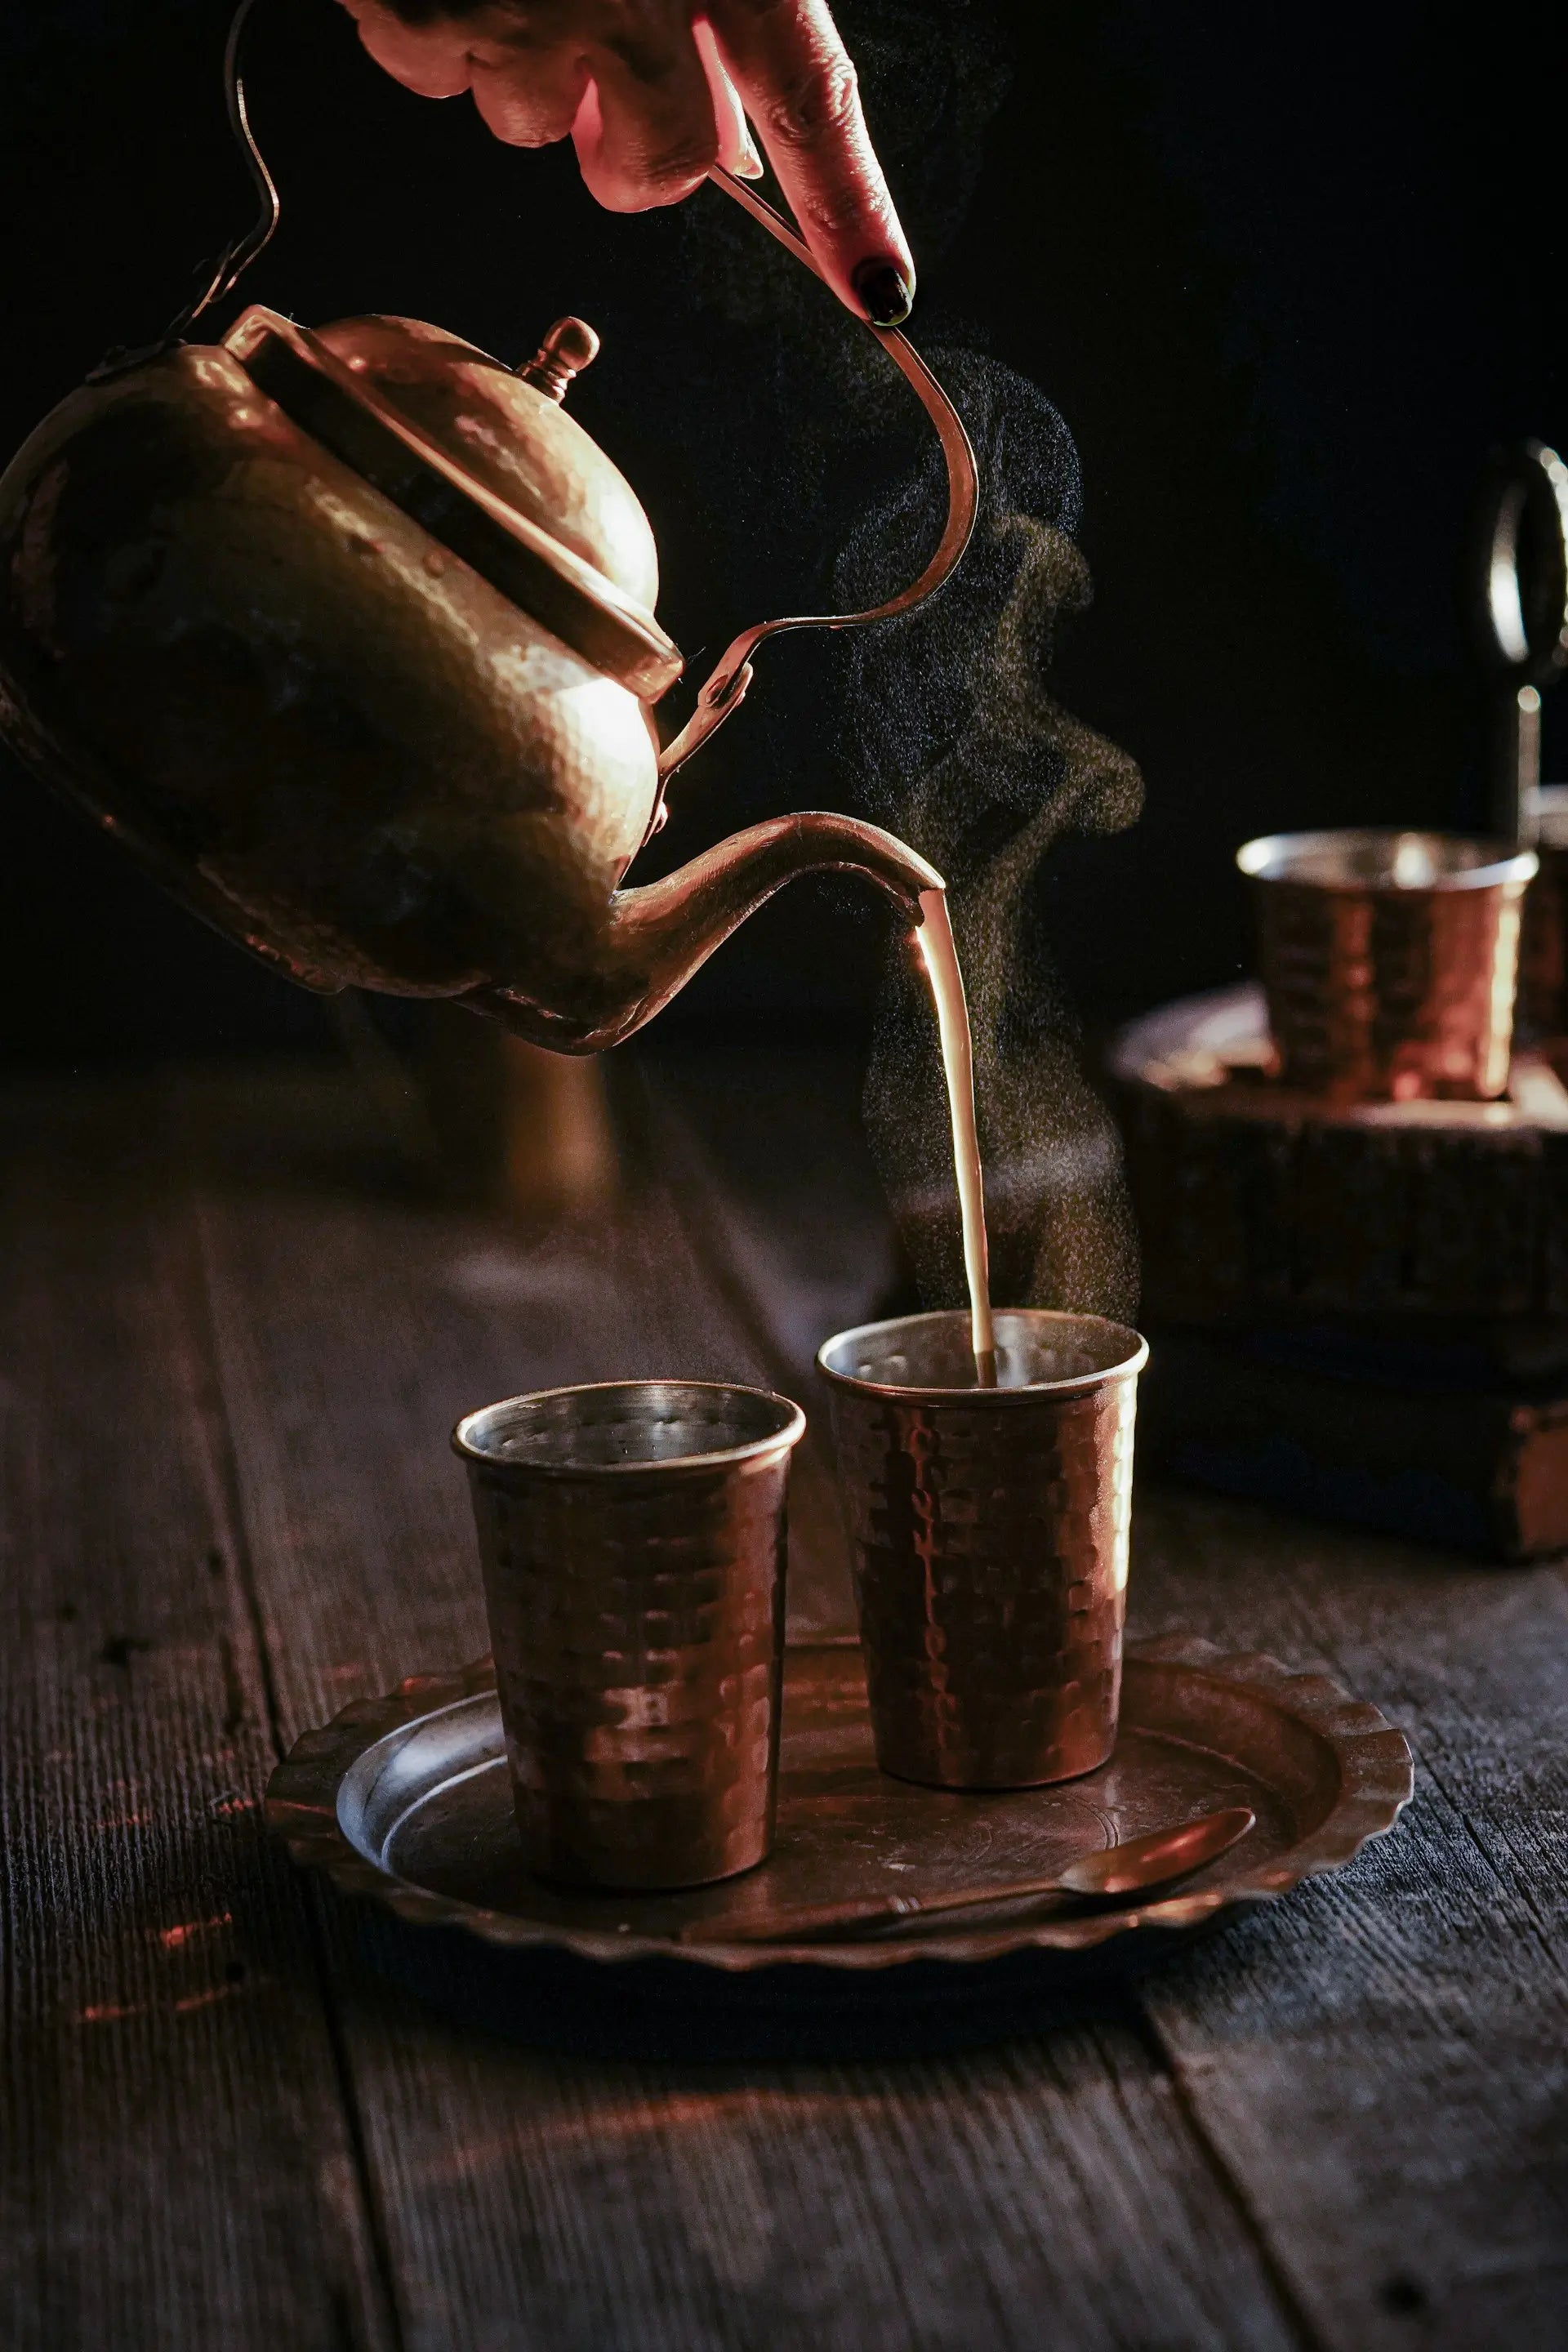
726 688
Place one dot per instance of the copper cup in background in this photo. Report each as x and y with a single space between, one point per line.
523 1129
1543 941
632 1537
988 1530
1390 960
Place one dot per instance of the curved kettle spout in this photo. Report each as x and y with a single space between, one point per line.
661 933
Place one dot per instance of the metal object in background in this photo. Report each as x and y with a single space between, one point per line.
1389 960
988 1534
349 636
404 1799
1521 619
1542 1009
522 1130
1133 1866
632 1535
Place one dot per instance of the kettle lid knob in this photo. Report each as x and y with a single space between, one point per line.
570 346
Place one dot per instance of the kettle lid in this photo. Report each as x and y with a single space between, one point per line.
489 463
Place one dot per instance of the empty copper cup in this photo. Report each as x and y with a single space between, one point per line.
632 1535
1390 960
1543 942
988 1530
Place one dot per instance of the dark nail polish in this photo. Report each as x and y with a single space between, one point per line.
885 291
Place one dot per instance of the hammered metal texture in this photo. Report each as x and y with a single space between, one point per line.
333 737
1543 944
989 1535
1383 993
632 1538
405 1799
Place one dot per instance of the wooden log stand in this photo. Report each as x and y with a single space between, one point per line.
1361 1310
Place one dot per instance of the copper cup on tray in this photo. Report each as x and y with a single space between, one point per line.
632 1537
989 1533
1390 960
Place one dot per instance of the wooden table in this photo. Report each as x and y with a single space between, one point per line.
234 1344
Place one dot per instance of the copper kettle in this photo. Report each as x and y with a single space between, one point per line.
349 635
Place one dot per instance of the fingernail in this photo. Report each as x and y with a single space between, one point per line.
750 166
885 291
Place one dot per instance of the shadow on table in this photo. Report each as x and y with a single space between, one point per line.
680 2012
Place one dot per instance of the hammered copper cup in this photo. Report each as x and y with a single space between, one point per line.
988 1531
632 1535
1390 960
1544 941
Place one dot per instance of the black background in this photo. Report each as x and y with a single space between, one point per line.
1288 277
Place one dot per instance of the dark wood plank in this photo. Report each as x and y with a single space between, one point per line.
176 2166
531 2200
1040 2195
1381 2061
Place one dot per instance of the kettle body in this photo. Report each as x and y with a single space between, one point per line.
327 730
349 636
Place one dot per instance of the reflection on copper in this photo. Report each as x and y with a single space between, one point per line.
988 1530
428 1833
632 1537
242 584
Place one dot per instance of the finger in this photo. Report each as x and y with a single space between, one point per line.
650 135
430 58
529 97
798 85
737 151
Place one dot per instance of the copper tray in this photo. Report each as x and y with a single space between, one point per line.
406 1799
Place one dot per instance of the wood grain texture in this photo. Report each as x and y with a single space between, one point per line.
1381 2061
233 1347
531 2202
1044 2195
175 2162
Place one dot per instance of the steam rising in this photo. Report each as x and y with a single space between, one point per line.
938 726
961 750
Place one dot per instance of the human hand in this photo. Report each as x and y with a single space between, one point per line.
651 94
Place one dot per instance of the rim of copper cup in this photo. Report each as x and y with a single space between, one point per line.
791 1430
1074 1384
1273 857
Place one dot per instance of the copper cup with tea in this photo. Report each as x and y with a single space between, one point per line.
989 1532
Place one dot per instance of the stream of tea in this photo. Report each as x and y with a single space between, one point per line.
940 956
